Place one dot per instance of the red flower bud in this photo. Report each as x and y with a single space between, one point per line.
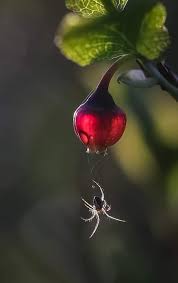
98 122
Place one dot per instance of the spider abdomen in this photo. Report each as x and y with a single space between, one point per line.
98 203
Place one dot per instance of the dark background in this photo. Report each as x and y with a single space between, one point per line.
44 168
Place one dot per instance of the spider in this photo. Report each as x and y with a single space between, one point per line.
99 206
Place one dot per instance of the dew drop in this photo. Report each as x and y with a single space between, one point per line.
88 150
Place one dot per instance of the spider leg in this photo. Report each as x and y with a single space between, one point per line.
87 204
96 226
111 217
88 207
101 190
90 218
108 207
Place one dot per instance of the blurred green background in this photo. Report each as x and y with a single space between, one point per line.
45 170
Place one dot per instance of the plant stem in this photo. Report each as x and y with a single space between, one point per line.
149 66
154 72
105 80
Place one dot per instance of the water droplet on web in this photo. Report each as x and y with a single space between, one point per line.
88 150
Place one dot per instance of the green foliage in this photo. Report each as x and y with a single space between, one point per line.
95 8
109 34
153 37
87 8
120 4
85 42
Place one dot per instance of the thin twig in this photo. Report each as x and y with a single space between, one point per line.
154 72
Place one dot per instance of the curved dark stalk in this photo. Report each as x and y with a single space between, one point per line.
149 66
163 82
105 80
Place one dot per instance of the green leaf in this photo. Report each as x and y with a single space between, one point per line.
120 4
95 8
153 37
87 8
86 41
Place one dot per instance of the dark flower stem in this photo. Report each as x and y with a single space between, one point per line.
149 66
163 82
105 80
